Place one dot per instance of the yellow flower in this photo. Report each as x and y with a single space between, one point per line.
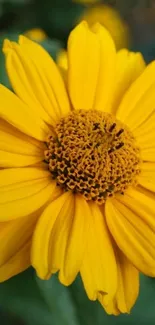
78 166
36 34
111 19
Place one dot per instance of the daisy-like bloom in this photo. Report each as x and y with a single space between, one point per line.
77 160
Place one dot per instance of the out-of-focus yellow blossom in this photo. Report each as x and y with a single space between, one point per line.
111 19
36 34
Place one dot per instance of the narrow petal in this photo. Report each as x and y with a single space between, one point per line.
129 66
141 204
23 191
15 144
16 160
15 234
16 264
147 176
98 270
76 243
107 68
60 236
134 235
111 307
15 112
23 78
40 255
83 66
127 289
36 79
15 237
128 283
138 103
8 128
145 137
17 149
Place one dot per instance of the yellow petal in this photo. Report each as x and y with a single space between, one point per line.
145 137
111 308
147 176
77 239
15 112
59 237
110 18
8 128
24 79
14 235
98 270
23 191
132 233
107 68
127 289
55 86
141 204
36 79
16 160
40 254
83 66
129 66
138 103
128 283
16 264
17 149
15 144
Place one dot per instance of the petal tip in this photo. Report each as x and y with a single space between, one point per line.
7 45
83 23
22 40
96 27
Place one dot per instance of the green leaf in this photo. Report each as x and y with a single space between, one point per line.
21 296
38 302
59 301
91 313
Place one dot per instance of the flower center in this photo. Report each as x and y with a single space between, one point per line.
93 154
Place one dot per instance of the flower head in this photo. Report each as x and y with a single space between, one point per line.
78 166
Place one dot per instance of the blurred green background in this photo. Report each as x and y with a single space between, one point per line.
25 299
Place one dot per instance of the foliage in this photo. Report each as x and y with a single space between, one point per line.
31 301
